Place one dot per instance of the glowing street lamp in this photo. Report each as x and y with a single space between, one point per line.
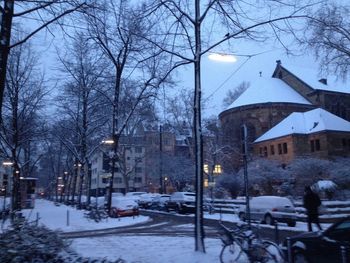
221 57
108 141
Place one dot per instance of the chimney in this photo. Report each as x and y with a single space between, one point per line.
323 81
278 62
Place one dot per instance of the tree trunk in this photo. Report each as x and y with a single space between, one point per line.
5 37
199 230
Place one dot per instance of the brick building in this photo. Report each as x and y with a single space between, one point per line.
315 133
269 100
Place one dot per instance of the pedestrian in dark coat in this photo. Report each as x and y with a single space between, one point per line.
311 203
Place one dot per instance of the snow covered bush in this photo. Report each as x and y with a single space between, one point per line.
265 177
38 244
228 182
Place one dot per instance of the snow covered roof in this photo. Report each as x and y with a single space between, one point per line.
311 77
267 89
306 123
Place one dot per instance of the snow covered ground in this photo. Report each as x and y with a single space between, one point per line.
140 249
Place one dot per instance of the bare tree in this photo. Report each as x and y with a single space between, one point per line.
233 94
23 105
119 30
327 33
183 27
44 13
81 105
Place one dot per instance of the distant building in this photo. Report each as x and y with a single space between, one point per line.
130 164
269 100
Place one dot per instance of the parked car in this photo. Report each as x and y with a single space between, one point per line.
146 200
268 209
134 195
321 247
181 202
159 202
122 206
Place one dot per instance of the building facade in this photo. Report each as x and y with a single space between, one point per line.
268 101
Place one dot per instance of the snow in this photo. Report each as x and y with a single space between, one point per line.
311 77
325 185
140 248
267 90
306 123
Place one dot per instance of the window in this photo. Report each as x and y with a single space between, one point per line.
118 180
138 149
265 151
138 169
105 180
315 145
137 179
261 151
206 168
272 149
217 169
279 148
344 142
285 148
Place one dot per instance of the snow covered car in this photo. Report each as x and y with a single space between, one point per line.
146 200
181 202
268 209
122 206
134 195
159 202
322 247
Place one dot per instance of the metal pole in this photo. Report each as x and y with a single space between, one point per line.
289 249
246 185
67 218
343 254
160 159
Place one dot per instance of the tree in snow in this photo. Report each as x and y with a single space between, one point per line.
233 94
265 177
327 34
230 183
39 14
81 106
307 171
181 35
22 129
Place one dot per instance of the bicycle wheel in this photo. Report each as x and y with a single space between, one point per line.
230 253
261 253
274 250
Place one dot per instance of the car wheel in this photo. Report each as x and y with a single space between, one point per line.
299 257
242 216
291 224
269 220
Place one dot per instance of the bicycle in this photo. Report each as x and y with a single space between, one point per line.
242 245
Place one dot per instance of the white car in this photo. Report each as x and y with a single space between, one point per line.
269 209
146 200
134 195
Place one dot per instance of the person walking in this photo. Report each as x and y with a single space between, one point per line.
311 203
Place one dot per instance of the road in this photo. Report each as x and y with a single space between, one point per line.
171 224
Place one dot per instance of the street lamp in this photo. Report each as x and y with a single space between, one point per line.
222 57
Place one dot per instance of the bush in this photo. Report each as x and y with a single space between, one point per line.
37 244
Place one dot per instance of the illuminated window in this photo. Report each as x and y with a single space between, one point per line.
217 169
206 168
206 184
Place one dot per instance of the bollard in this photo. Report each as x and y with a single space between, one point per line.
37 219
67 217
343 254
289 249
277 241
